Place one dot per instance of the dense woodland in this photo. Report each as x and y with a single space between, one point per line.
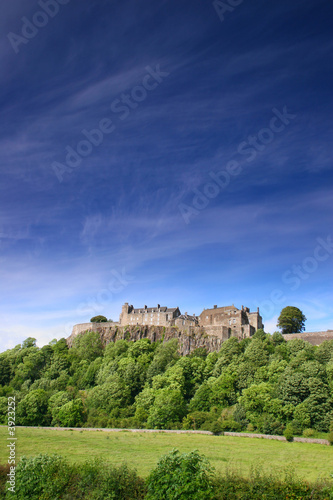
260 384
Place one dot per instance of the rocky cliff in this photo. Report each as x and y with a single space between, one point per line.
188 340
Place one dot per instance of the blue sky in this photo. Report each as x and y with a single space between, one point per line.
182 93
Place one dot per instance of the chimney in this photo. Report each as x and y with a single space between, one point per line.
215 307
145 307
242 308
158 306
258 310
186 314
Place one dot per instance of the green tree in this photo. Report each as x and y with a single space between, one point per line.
291 320
201 399
71 414
29 342
168 407
33 409
260 334
293 387
5 370
98 319
110 395
115 350
165 355
256 353
88 345
3 410
258 399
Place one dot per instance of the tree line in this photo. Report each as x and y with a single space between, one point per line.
262 384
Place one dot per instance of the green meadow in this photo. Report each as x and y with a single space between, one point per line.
142 450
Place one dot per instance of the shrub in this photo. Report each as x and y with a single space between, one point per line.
103 481
41 477
289 432
233 486
330 438
47 477
181 477
230 425
216 428
4 470
308 433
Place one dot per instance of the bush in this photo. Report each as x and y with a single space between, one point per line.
41 477
47 477
181 477
330 438
308 433
216 428
100 481
4 470
233 486
289 432
230 425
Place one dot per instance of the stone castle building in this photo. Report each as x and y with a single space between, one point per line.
151 316
238 322
221 321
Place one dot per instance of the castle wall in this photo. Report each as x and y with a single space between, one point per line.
92 327
315 338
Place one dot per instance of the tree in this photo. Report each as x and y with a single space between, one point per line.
33 409
71 414
29 342
88 346
5 370
168 407
98 319
291 320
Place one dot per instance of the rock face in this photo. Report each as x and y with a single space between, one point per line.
188 340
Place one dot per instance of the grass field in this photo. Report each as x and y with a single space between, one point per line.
142 450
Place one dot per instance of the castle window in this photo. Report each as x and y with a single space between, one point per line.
229 321
234 320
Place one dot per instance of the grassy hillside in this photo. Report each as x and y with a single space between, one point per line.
142 450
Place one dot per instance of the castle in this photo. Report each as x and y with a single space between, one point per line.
210 329
221 321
